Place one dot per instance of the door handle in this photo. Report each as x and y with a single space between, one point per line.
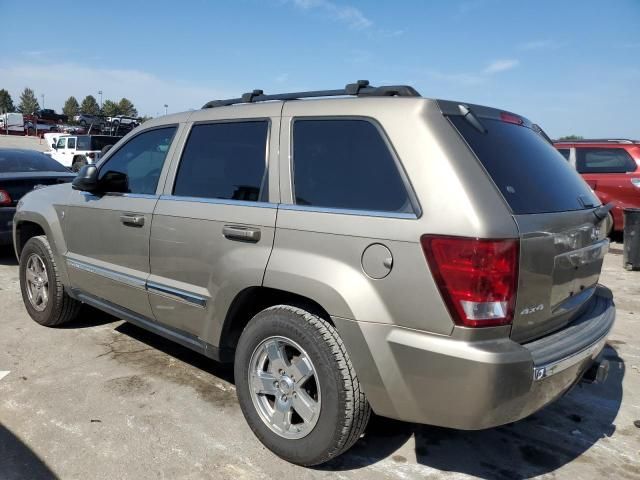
243 234
132 220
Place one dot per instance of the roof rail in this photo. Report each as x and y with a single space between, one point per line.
599 140
360 89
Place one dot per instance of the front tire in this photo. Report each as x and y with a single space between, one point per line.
42 292
296 386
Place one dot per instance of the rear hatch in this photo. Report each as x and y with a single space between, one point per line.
562 241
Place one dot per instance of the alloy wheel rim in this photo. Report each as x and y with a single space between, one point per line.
37 282
284 387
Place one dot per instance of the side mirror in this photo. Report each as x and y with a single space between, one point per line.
87 179
54 146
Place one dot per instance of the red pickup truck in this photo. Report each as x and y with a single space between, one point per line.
611 168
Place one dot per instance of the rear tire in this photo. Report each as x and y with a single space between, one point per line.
42 292
78 162
340 410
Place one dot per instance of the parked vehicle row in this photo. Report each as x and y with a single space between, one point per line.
611 168
381 252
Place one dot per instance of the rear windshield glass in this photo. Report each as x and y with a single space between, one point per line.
24 161
96 142
531 174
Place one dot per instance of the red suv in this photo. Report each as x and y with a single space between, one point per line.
611 168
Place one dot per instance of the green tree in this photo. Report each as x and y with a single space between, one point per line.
125 107
6 102
89 106
110 108
141 120
571 137
28 102
71 108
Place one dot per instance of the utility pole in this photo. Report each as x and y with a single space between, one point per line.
100 93
42 101
165 108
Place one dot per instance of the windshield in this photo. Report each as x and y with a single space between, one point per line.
531 174
95 142
26 161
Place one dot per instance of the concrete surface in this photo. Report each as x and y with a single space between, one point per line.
104 399
16 141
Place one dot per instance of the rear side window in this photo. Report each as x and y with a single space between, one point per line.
529 172
346 164
604 160
225 161
565 152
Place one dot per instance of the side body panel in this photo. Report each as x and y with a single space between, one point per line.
196 271
108 256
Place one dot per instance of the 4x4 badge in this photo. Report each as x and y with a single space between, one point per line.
530 310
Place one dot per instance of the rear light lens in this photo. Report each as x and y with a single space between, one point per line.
5 198
477 278
636 182
511 118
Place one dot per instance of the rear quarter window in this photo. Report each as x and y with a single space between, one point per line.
531 174
604 160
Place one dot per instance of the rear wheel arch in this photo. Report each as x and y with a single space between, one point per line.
250 301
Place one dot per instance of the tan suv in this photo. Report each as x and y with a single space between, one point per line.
374 251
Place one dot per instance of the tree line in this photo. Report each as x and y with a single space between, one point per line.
29 105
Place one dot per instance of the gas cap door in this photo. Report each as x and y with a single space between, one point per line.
377 261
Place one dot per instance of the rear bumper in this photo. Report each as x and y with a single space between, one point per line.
6 225
438 380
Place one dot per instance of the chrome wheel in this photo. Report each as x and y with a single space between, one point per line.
284 387
37 282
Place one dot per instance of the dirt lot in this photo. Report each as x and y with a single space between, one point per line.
104 399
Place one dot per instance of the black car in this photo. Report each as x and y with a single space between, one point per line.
20 172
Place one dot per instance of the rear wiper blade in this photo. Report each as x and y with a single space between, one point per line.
470 117
603 210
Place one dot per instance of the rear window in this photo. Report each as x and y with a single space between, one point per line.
604 160
25 161
96 142
531 174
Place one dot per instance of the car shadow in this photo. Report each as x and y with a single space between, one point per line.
534 446
87 318
18 461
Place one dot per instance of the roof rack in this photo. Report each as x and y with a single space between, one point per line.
359 89
600 140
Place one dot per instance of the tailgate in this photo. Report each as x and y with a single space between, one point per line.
561 258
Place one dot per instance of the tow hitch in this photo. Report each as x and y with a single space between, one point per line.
597 373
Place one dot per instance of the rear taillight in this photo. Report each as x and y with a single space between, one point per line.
5 198
477 278
636 182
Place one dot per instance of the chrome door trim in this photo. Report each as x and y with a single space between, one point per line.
130 280
218 201
345 211
177 294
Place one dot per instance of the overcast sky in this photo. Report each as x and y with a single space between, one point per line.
571 66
